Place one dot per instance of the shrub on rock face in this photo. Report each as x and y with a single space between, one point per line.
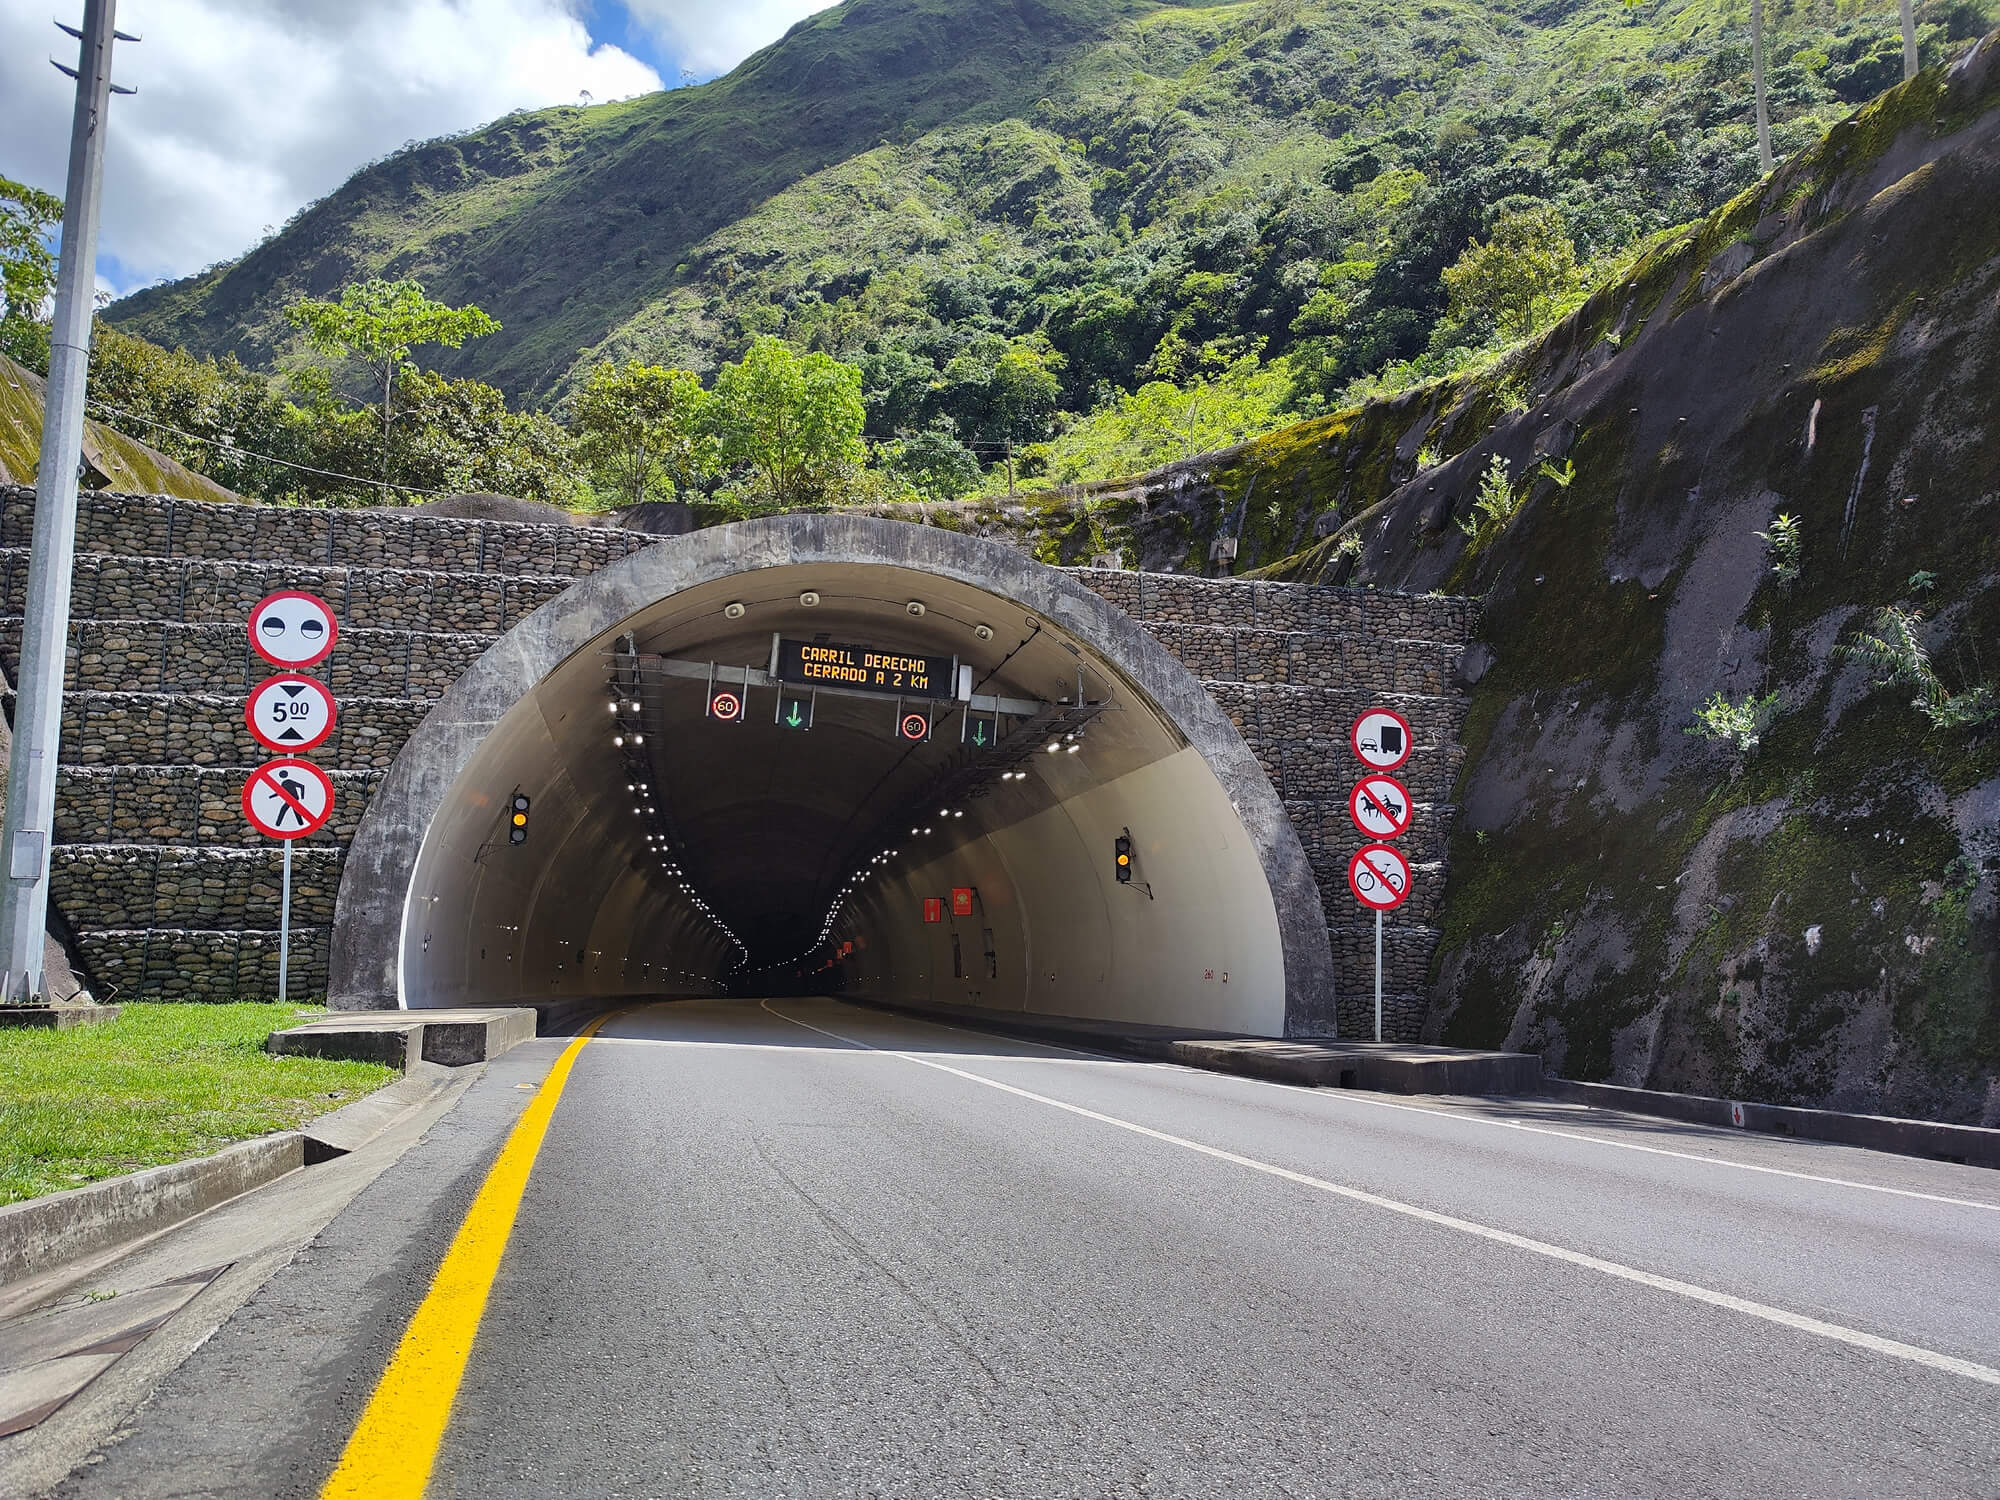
1739 725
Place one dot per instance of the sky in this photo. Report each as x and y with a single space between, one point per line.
249 109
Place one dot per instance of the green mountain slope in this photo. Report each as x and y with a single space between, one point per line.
1810 919
906 182
566 222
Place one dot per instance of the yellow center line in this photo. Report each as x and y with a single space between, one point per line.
395 1444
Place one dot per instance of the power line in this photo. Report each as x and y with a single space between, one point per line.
286 463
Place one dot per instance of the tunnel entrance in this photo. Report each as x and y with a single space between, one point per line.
833 754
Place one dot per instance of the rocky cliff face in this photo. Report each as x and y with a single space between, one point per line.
1810 920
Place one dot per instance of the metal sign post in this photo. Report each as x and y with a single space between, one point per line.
285 940
1382 808
288 799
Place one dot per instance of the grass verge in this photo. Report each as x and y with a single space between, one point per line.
160 1084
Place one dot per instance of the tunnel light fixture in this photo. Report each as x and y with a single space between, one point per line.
1074 748
638 739
618 740
612 705
631 708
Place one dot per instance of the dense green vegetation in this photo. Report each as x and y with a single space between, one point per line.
1017 222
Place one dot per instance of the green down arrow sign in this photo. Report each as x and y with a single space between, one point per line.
796 715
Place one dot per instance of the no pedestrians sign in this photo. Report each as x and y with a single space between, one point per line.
288 799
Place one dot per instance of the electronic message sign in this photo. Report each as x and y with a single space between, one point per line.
868 669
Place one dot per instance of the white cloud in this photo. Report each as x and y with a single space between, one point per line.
248 109
711 38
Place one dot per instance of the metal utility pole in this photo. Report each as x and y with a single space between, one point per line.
31 768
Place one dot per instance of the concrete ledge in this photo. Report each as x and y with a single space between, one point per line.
1385 1067
1970 1144
45 1232
57 1017
402 1039
392 1044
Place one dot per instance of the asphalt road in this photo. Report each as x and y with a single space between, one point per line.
811 1250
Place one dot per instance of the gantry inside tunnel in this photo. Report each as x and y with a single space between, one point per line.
698 822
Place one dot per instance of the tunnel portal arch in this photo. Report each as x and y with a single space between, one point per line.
430 880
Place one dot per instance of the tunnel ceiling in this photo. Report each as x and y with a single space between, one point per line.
765 821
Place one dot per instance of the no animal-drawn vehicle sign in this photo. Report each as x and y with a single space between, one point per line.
1380 807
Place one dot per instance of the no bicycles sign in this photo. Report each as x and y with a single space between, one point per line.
1379 876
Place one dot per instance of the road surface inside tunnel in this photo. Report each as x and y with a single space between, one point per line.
800 1248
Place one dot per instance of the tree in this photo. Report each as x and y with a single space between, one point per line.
1025 393
378 323
793 420
934 463
28 218
1519 274
644 430
1909 20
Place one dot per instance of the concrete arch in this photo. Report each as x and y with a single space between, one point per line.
367 969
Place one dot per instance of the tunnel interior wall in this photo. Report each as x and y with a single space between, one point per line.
171 896
1191 941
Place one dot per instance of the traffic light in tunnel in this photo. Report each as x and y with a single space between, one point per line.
517 819
1122 850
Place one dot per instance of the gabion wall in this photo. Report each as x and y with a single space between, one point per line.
172 896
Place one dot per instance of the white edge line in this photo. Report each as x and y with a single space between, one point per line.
1930 1358
1355 1096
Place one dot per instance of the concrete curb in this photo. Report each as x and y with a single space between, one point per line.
1381 1067
44 1232
1972 1145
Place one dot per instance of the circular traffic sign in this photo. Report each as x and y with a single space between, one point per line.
288 799
916 727
1379 876
726 705
291 629
1381 738
289 712
1380 807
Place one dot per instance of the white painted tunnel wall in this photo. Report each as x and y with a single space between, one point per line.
1069 940
573 884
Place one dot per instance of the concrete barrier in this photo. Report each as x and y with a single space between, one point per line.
402 1038
46 1232
1970 1144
